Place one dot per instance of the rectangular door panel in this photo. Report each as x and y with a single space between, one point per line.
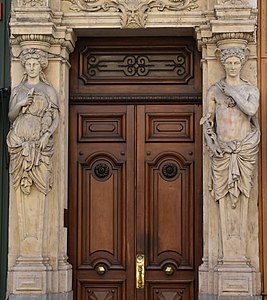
167 177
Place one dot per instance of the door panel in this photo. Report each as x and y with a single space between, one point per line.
134 189
102 195
168 178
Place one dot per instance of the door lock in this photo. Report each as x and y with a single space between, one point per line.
140 271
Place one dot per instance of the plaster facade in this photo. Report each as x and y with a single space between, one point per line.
53 26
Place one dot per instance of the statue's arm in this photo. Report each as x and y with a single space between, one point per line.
54 99
51 93
15 104
208 121
249 104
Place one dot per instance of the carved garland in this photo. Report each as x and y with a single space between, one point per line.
133 13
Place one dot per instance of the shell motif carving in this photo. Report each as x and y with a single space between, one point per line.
133 13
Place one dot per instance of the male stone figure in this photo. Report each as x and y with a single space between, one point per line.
231 130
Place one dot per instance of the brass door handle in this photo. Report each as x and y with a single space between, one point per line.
140 271
100 270
169 270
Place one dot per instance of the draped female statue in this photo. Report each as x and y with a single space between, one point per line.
34 117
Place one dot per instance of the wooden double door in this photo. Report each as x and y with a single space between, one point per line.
135 226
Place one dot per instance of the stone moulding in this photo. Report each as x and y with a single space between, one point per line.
133 13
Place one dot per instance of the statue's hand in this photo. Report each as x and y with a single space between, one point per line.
228 91
42 143
214 148
26 101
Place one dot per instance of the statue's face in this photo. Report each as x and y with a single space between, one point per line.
232 66
33 67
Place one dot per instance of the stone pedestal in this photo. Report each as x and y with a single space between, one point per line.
235 280
31 275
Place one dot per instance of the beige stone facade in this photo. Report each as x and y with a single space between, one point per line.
53 26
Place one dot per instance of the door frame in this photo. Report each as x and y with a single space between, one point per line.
95 97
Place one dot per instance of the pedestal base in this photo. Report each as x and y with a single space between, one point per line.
235 280
58 296
31 275
229 282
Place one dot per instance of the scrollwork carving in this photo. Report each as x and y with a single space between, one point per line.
133 13
33 3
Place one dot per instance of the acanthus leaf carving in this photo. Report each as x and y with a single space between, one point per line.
133 13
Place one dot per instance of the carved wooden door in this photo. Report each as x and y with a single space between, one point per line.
135 201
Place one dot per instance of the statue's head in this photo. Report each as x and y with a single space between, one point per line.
34 61
34 53
224 54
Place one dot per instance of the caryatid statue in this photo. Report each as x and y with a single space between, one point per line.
34 117
33 113
232 136
231 130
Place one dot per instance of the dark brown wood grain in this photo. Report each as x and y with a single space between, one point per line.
135 187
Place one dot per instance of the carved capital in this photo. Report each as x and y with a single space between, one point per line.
133 13
233 39
43 41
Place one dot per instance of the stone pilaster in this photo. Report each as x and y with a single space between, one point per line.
230 268
39 269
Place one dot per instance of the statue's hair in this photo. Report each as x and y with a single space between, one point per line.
230 52
38 54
